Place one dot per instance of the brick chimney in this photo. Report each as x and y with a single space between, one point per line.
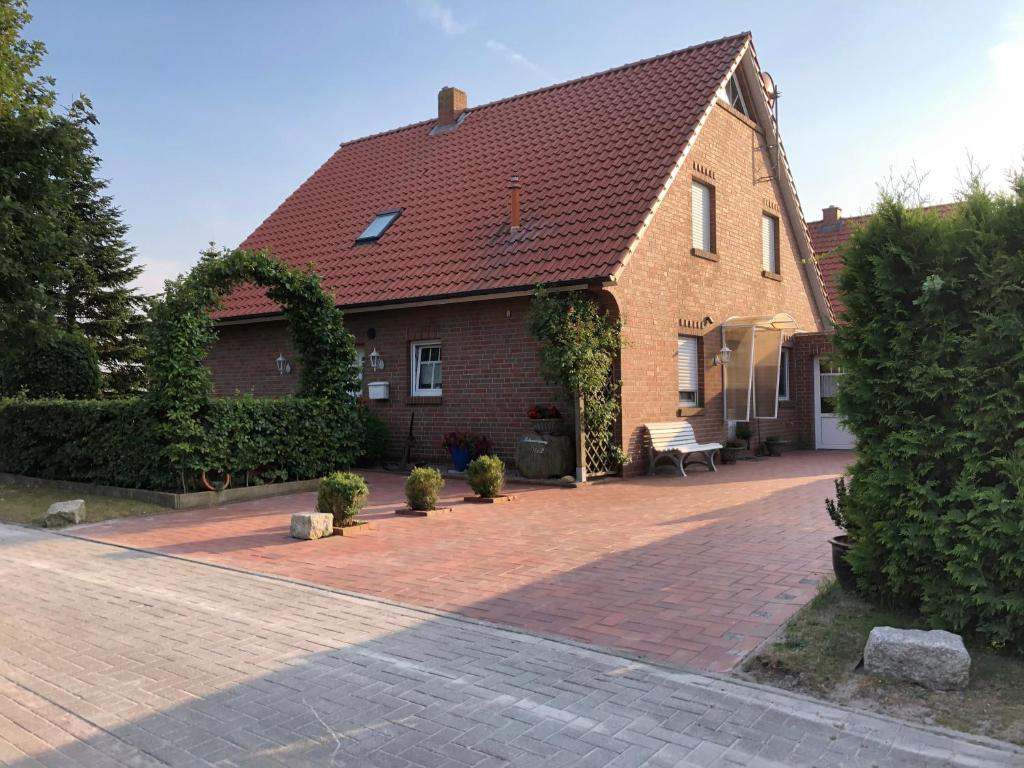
451 103
831 215
514 186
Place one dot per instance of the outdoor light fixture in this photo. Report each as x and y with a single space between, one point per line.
376 361
723 355
283 366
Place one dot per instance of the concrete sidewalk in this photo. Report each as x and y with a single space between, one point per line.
110 657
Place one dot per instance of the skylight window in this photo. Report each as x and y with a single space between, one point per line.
378 226
735 96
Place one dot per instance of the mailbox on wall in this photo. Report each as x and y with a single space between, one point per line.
378 390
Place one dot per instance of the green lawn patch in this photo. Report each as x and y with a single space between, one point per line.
28 506
820 648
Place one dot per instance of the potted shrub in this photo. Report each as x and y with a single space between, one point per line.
841 544
463 447
545 419
422 488
342 495
731 451
486 476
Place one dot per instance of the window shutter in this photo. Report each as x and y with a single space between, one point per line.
701 214
769 240
686 361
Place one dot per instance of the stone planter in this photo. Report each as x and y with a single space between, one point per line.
843 571
543 456
546 426
501 498
775 447
360 528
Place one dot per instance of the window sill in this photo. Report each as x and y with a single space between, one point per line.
690 410
424 400
771 275
700 253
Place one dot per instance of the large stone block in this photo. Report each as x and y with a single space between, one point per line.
935 659
311 525
64 513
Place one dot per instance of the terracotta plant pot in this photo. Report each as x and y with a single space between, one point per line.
843 571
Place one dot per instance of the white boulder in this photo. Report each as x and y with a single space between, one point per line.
311 525
63 513
935 658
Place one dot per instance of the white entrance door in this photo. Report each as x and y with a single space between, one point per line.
829 431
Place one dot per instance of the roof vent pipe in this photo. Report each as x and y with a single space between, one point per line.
513 218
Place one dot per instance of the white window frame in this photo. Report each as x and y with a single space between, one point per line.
707 220
770 243
785 357
414 358
694 353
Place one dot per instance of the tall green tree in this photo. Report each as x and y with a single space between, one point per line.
65 265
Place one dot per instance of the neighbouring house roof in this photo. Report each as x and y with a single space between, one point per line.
826 237
592 155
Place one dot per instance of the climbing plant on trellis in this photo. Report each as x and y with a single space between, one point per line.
580 342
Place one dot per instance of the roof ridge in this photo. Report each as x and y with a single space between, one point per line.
555 86
869 215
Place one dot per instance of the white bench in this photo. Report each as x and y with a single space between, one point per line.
675 441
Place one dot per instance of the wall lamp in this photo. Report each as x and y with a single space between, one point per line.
723 355
283 366
376 361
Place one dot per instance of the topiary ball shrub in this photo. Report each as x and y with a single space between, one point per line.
342 495
486 476
422 488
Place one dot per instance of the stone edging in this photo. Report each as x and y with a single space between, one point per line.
200 500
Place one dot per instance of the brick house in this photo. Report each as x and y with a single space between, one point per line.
661 187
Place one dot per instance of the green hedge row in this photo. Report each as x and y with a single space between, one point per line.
116 442
931 347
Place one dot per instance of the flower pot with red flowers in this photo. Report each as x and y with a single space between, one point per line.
545 419
463 447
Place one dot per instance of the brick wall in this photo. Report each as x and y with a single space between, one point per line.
806 347
489 362
666 291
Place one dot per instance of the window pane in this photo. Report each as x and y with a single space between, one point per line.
784 375
766 372
687 370
376 227
701 215
769 244
738 373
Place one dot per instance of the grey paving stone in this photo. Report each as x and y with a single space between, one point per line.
112 660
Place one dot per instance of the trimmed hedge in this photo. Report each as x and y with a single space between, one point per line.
60 364
110 442
116 442
933 389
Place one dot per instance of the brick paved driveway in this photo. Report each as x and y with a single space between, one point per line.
112 657
694 571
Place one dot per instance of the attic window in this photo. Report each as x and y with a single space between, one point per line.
734 96
378 226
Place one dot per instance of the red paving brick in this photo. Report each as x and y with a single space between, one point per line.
695 571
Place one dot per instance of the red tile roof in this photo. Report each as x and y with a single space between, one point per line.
826 239
593 155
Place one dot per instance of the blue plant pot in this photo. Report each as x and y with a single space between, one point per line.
460 459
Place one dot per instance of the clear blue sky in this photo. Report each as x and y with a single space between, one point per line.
212 112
